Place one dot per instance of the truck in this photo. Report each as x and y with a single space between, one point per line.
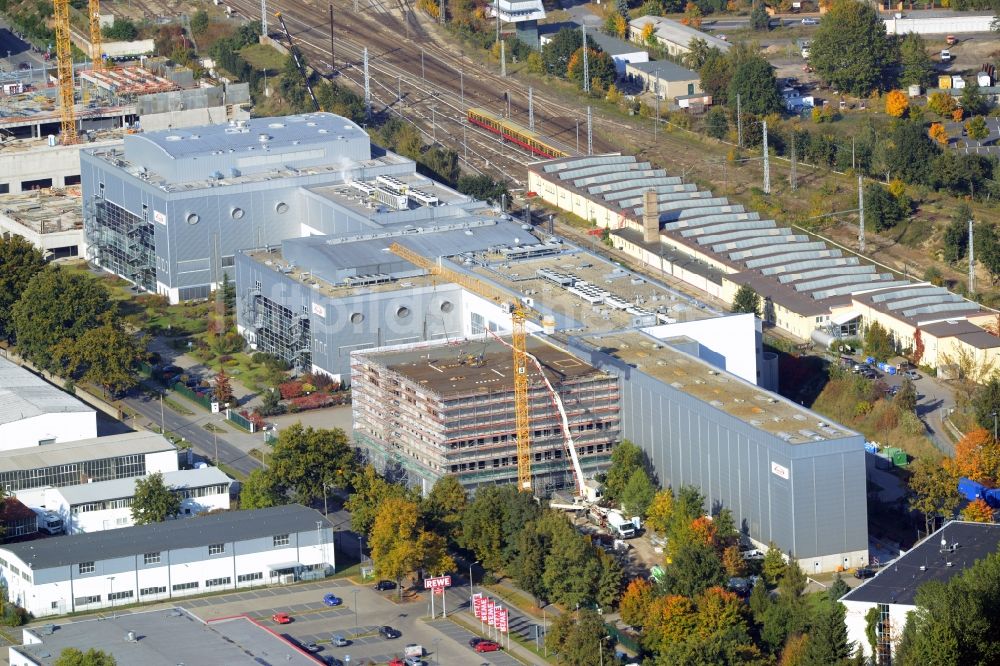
971 490
621 525
50 522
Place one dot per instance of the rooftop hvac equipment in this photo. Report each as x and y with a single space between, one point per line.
364 188
392 199
423 198
391 184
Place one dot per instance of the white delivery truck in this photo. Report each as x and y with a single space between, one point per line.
620 525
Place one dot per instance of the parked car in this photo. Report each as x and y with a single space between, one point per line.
396 661
487 646
414 661
913 374
864 572
384 585
332 600
810 21
386 631
337 640
945 55
475 640
282 618
312 646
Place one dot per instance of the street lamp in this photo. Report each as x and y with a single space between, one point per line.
470 584
111 594
436 641
357 625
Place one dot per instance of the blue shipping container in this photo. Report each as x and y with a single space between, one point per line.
992 498
971 490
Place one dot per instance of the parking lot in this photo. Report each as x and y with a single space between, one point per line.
312 621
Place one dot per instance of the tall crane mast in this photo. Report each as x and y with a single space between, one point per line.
298 61
64 59
519 314
96 48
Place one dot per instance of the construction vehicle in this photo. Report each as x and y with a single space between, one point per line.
519 313
622 526
298 61
64 69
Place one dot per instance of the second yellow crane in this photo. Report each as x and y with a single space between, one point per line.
96 47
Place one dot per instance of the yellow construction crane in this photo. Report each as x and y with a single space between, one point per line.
94 9
64 58
518 315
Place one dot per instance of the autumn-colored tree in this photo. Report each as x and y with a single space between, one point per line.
918 347
733 562
660 511
897 188
703 530
938 133
794 652
719 610
223 390
976 129
635 602
671 619
692 15
896 103
958 114
977 456
978 511
621 26
942 104
648 32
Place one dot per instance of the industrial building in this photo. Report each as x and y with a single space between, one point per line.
49 219
448 408
948 552
621 52
674 36
36 413
221 551
107 505
811 290
666 79
162 637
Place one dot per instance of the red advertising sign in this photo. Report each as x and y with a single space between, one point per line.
491 613
502 620
477 604
437 583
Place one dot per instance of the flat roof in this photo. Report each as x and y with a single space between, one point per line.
963 544
665 70
45 211
225 527
678 33
64 453
479 365
83 493
755 406
166 637
24 395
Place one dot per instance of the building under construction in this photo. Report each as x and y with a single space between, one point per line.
448 408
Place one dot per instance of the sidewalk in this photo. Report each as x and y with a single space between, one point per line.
522 626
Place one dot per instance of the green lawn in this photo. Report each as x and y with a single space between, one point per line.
263 57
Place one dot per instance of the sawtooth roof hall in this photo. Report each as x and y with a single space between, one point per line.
811 289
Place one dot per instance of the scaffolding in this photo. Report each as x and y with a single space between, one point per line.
277 330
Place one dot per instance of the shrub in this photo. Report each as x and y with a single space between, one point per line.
292 389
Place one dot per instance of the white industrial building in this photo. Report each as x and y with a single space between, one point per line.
34 412
674 36
944 554
222 551
86 461
106 505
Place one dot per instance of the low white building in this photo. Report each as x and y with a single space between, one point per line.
672 35
86 461
34 412
107 505
221 551
945 553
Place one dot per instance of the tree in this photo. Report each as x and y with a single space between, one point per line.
986 403
774 565
105 356
715 72
122 30
659 514
746 300
896 103
695 568
838 588
906 399
671 619
443 507
692 15
878 342
92 657
956 235
154 502
987 247
942 104
370 490
260 491
625 459
223 390
976 128
753 80
483 188
917 67
885 210
600 68
608 587
400 545
199 22
305 461
580 640
733 562
978 511
932 492
918 346
571 569
717 123
19 262
492 521
557 52
532 549
57 307
638 493
850 49
972 100
828 642
636 601
977 456
759 20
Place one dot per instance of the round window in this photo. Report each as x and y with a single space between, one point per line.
237 213
447 306
281 207
357 318
403 312
193 218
